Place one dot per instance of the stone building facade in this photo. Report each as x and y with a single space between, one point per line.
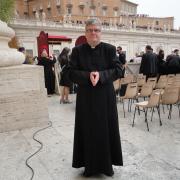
121 24
117 12
132 40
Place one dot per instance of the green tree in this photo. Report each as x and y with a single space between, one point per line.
6 9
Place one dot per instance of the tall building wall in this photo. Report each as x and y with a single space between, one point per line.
121 12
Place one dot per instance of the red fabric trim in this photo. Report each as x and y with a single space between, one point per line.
58 38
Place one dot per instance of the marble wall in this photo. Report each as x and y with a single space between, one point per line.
23 97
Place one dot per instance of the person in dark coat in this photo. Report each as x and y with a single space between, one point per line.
149 63
161 63
173 63
94 66
64 81
122 58
48 63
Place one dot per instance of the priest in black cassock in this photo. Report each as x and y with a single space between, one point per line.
94 66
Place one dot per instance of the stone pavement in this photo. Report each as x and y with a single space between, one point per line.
153 155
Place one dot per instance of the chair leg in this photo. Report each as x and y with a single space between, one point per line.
145 111
128 105
123 107
152 109
138 111
170 110
163 109
158 109
179 109
134 116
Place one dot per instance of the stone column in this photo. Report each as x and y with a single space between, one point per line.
8 56
23 99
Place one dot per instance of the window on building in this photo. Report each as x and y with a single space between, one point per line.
92 12
58 2
115 13
104 12
69 10
82 11
81 7
157 23
58 9
25 14
49 12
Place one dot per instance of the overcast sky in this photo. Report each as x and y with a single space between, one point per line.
160 8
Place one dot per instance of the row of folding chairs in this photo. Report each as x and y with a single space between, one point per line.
170 94
161 83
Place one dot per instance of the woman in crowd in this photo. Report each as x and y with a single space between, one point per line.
64 81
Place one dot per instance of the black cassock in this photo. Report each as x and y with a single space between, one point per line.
48 73
97 143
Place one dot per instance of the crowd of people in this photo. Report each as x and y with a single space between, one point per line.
48 62
151 65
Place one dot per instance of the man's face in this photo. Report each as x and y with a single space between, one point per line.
177 53
119 50
93 34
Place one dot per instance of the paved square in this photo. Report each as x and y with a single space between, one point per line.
153 155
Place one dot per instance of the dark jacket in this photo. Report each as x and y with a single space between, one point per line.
149 64
122 58
161 64
174 65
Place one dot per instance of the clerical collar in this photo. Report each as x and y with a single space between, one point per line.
93 47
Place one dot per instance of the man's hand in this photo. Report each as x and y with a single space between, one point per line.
94 77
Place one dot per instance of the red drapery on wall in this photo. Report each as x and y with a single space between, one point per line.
43 41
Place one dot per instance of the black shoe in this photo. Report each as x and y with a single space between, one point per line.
86 174
61 101
67 102
109 174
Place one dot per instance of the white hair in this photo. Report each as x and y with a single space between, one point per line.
93 21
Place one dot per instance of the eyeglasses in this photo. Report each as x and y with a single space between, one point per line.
93 30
